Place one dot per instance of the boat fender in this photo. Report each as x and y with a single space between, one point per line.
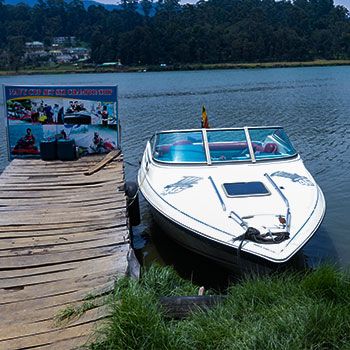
132 197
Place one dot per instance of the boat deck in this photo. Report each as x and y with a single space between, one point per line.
63 241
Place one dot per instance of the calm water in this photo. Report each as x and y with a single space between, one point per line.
313 104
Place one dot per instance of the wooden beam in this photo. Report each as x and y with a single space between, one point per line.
108 158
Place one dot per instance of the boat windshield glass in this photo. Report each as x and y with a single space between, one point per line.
270 143
179 147
228 145
222 145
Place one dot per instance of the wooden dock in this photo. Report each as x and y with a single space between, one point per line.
63 241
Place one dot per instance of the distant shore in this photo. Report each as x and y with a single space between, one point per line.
67 69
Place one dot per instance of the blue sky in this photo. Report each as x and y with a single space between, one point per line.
345 3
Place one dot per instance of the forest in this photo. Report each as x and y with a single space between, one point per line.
166 32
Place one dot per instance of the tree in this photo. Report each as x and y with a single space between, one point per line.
15 51
146 7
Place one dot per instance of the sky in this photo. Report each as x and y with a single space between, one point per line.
345 3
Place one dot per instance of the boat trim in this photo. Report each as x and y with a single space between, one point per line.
206 146
250 146
217 193
214 129
288 213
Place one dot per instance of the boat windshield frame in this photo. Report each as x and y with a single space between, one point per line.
253 158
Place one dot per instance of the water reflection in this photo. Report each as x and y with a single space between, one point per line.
152 244
161 249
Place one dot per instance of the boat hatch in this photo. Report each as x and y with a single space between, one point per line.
242 189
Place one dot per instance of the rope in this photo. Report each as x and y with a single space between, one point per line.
133 198
254 235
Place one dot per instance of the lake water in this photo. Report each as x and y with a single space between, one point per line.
313 104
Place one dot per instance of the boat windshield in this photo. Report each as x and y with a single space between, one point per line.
271 143
228 145
179 147
222 145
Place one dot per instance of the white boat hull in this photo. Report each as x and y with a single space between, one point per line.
225 256
191 204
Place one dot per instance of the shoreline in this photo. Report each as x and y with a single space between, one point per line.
71 69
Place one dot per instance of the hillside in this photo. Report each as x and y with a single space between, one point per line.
213 31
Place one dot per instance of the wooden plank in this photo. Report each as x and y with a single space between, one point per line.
89 199
89 205
13 244
52 219
59 234
68 212
13 262
58 191
55 299
75 343
92 266
65 211
52 229
65 246
107 159
48 313
45 330
32 198
62 286
68 181
54 186
53 173
67 267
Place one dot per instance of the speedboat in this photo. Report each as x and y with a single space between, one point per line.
82 118
231 192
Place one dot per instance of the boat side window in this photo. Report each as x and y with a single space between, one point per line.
228 145
179 147
270 143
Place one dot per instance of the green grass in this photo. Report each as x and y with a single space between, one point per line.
289 311
70 68
71 312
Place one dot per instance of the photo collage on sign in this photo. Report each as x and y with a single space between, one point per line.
92 124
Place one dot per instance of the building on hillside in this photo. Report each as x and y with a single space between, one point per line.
79 53
35 50
111 64
64 40
31 46
55 53
64 58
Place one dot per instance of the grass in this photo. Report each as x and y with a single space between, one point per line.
289 311
75 311
70 68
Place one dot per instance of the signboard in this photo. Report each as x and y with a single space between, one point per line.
87 114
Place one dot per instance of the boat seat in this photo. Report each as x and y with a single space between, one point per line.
227 146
